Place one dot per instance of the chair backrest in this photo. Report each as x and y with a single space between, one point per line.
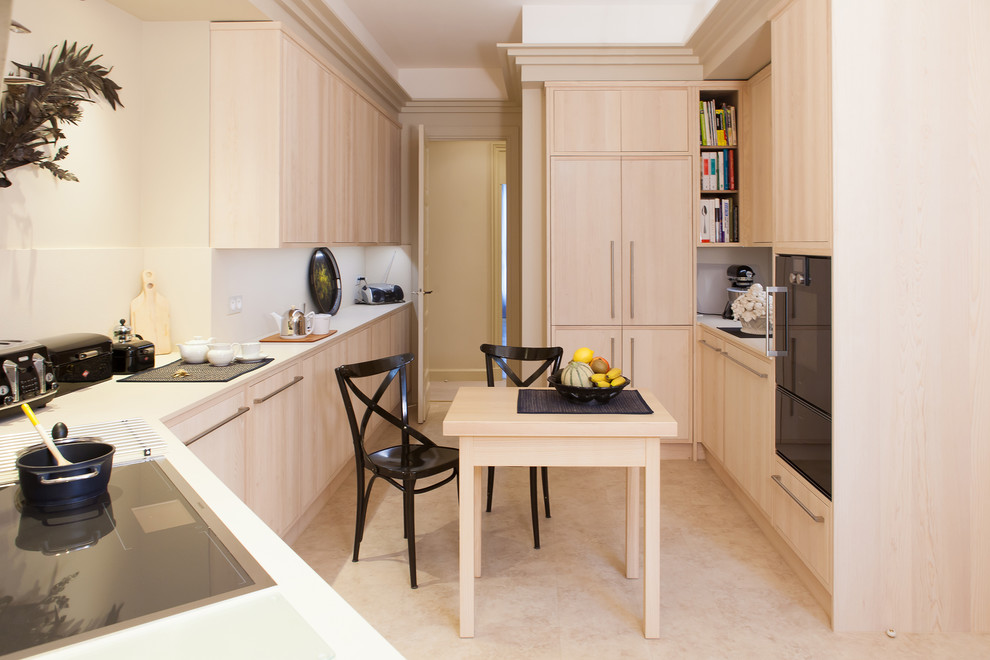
388 368
549 355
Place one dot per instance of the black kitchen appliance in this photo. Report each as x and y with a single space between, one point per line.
803 351
80 359
131 353
740 279
148 548
26 375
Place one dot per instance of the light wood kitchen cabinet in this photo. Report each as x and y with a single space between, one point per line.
647 118
748 421
802 121
216 432
803 517
758 148
297 156
586 226
621 248
275 448
657 359
711 392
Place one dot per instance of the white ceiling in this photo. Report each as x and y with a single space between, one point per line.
416 34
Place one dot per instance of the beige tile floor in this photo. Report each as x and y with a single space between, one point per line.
726 592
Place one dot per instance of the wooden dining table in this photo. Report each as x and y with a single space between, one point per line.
492 432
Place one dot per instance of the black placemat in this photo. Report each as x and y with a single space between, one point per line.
627 402
198 373
739 333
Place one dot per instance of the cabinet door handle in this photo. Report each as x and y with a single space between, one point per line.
199 436
817 519
281 389
611 350
632 279
611 275
744 365
707 345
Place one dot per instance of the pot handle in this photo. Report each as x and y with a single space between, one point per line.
75 477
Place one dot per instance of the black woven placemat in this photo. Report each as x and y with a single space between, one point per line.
198 373
627 402
739 333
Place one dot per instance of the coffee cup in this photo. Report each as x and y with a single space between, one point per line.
321 324
250 350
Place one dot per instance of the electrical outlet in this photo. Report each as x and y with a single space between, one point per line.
235 304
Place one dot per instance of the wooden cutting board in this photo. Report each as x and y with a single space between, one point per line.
149 315
293 340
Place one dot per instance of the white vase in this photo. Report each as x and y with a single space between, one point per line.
757 326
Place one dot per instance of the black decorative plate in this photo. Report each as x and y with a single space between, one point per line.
324 281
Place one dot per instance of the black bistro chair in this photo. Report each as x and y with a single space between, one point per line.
550 362
401 465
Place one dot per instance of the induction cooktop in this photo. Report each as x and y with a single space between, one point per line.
149 548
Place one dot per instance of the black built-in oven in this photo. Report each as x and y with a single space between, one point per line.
803 349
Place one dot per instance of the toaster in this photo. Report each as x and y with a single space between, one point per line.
132 356
80 359
26 375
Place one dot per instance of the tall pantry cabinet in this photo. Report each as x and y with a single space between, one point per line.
620 232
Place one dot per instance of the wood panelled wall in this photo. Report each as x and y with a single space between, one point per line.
911 84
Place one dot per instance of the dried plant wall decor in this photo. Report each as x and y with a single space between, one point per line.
40 99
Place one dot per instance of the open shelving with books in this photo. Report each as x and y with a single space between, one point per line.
719 173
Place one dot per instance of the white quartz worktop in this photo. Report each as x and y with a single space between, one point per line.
757 344
299 588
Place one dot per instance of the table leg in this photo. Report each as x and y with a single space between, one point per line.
479 497
632 522
651 557
466 535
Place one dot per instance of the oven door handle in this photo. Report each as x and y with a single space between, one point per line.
771 349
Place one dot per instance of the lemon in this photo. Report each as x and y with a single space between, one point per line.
598 378
583 355
613 373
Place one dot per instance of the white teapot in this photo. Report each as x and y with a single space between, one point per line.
194 351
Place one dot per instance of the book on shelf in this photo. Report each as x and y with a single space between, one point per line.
718 124
719 221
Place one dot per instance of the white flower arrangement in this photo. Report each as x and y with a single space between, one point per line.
751 305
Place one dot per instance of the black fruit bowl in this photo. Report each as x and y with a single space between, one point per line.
585 394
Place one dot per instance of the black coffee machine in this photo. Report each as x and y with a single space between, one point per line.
740 279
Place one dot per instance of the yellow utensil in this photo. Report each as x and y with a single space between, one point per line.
59 459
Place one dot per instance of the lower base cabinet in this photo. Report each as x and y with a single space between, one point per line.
217 434
279 441
804 519
735 421
275 448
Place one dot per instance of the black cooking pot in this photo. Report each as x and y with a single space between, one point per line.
50 487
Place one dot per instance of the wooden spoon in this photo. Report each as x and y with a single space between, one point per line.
59 459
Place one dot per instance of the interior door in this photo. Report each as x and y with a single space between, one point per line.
422 291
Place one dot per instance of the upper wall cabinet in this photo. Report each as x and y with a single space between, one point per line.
631 119
802 125
297 156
